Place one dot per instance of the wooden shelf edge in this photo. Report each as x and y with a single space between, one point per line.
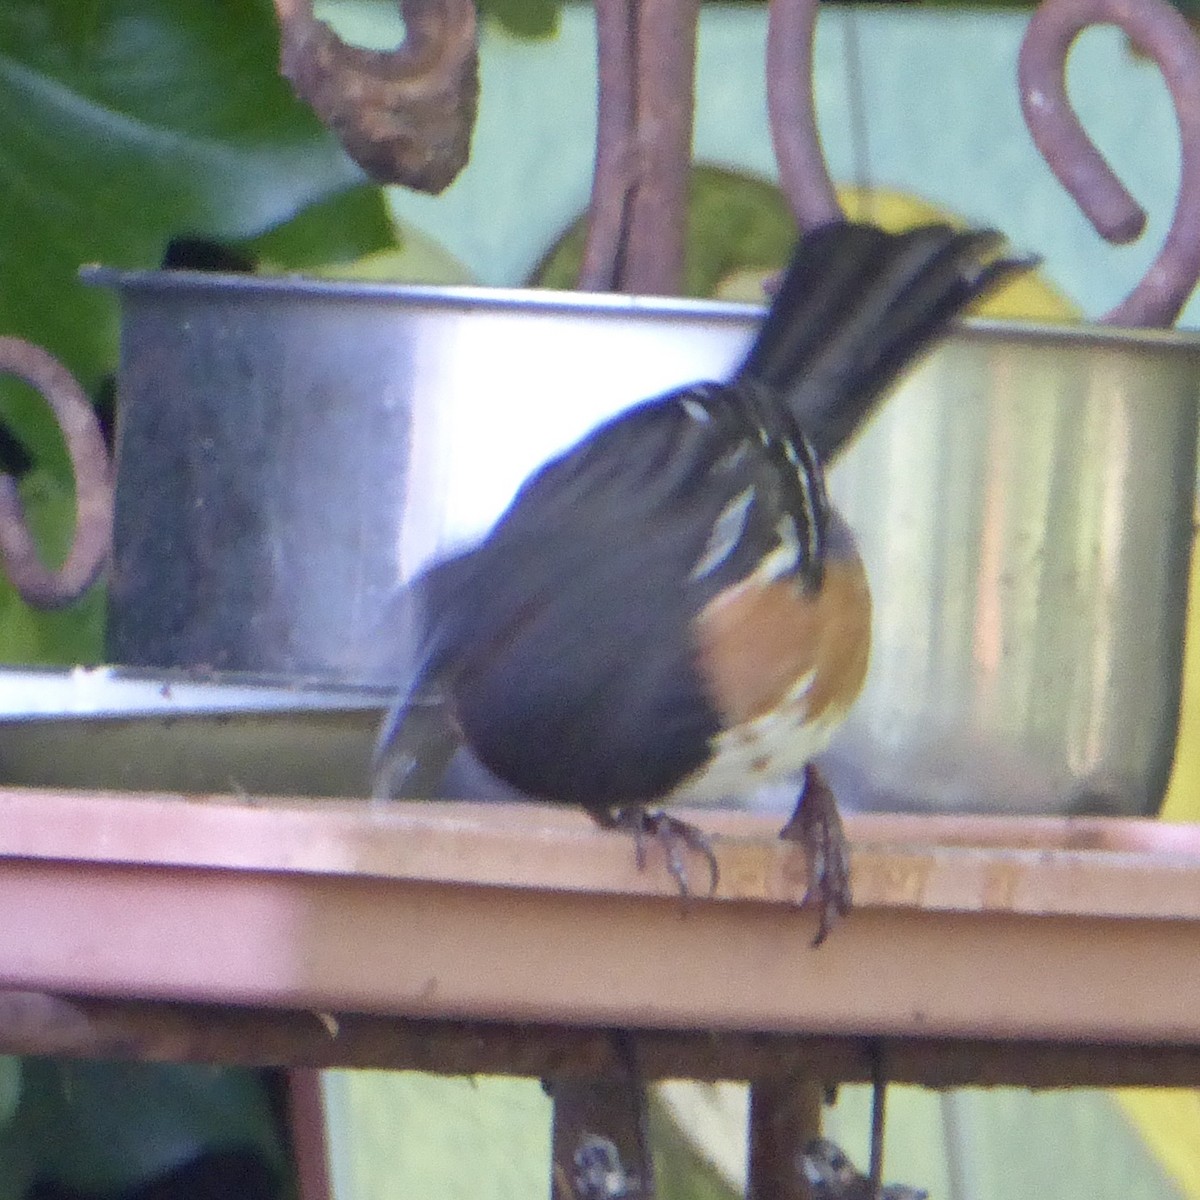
515 914
1036 866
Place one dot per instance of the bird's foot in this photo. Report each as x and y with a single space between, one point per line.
817 825
673 835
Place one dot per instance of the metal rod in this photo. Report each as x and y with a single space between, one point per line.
665 76
615 164
878 1115
803 175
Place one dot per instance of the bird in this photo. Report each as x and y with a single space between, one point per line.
671 612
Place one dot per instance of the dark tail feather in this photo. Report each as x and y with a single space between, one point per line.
419 736
856 306
414 748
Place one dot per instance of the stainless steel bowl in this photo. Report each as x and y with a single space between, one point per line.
291 450
1025 511
110 727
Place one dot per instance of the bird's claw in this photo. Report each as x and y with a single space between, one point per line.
817 825
671 834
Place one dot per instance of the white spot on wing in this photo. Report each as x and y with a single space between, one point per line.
784 559
726 533
695 409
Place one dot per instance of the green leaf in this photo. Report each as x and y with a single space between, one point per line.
342 229
101 1128
122 124
531 19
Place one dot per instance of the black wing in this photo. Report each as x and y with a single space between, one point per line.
565 638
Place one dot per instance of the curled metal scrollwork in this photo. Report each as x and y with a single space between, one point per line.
1152 25
406 115
1162 33
803 174
35 582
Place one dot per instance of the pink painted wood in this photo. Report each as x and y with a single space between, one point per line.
993 928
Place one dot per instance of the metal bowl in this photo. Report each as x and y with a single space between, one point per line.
147 731
289 451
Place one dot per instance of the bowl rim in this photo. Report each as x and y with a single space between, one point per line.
548 301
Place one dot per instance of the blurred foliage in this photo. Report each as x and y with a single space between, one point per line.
523 18
103 1129
681 1171
122 124
749 217
339 230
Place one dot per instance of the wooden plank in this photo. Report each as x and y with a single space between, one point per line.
965 929
1046 866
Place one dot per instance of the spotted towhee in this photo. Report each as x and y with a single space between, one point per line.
670 612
